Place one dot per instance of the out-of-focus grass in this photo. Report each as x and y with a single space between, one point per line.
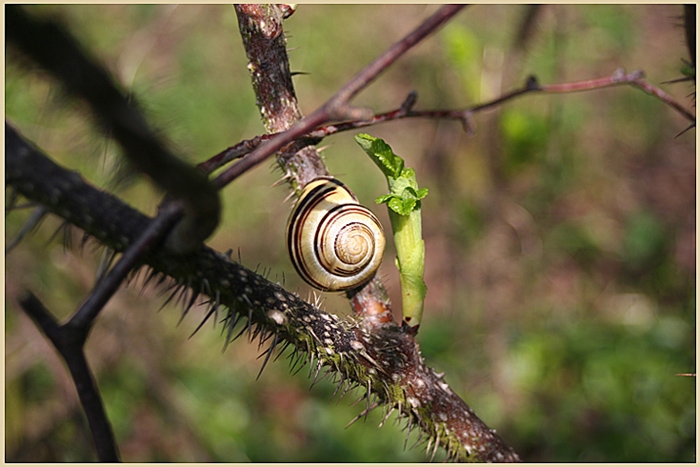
560 239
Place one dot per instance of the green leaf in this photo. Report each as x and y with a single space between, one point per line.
381 154
396 205
383 199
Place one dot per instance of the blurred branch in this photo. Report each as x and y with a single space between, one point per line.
70 345
47 43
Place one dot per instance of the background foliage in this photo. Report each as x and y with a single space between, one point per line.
560 238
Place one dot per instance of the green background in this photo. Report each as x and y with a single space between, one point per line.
560 237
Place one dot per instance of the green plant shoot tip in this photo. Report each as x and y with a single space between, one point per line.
404 204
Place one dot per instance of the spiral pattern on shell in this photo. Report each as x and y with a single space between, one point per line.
334 242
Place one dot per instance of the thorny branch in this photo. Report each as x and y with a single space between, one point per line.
380 370
355 357
387 363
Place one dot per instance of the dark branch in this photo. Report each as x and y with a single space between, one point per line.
54 49
70 346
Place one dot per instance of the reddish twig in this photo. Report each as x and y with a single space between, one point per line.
634 78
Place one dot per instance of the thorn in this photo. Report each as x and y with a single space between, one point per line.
59 229
353 420
296 362
316 379
418 440
284 347
364 413
205 288
182 295
289 196
264 335
240 333
386 417
692 125
408 431
33 222
84 240
212 310
161 279
311 365
369 396
12 200
267 357
677 80
67 236
177 289
234 321
132 275
347 388
284 178
358 400
249 324
149 278
437 442
189 306
337 388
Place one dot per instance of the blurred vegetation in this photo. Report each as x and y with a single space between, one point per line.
560 238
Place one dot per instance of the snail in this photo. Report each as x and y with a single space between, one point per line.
333 242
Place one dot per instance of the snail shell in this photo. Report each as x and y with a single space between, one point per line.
334 242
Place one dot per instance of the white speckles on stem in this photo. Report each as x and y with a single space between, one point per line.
357 345
277 317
